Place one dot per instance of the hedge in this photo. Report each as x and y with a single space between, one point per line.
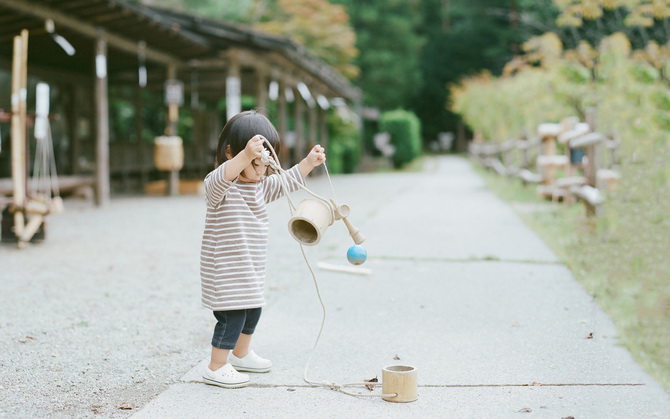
405 131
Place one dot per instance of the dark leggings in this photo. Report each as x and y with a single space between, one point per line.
231 323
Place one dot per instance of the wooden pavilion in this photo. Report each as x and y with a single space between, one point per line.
159 63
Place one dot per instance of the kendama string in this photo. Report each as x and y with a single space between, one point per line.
284 177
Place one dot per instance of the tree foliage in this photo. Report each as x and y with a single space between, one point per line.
321 27
243 11
464 38
591 20
390 46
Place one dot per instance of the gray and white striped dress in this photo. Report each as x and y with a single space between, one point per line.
234 244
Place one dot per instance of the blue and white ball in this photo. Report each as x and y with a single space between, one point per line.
356 255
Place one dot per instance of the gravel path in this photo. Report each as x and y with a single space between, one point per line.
105 313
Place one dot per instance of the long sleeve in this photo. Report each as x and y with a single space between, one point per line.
273 189
216 186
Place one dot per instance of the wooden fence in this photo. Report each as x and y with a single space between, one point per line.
567 161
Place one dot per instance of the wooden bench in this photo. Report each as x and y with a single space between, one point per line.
77 185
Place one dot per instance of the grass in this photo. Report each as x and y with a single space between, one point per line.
618 258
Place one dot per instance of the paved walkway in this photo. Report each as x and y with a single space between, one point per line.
460 288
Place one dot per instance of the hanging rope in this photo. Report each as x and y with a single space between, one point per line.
44 181
285 178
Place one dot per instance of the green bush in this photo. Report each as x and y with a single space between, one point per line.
405 130
344 145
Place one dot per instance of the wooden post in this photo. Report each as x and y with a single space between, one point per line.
173 108
233 87
323 128
23 100
18 139
299 129
591 168
139 128
261 90
549 149
312 127
171 130
102 121
283 123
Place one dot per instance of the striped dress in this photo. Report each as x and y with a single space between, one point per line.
234 244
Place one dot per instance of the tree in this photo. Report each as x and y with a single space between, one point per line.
322 28
387 37
641 21
463 38
232 10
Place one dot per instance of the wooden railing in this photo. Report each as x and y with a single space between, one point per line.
567 161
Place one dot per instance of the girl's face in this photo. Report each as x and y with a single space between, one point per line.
254 172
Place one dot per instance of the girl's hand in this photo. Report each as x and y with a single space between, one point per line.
254 147
316 156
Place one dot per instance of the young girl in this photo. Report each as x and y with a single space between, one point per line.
234 243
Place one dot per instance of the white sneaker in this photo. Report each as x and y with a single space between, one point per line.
250 363
225 376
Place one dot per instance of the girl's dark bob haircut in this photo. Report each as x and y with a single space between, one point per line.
240 129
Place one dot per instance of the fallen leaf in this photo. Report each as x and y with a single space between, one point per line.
526 410
127 406
589 336
396 357
371 387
